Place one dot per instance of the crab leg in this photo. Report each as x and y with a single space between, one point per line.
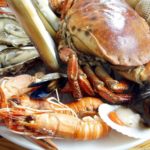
101 90
138 74
76 77
114 85
72 73
84 83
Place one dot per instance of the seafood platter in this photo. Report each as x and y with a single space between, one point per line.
75 73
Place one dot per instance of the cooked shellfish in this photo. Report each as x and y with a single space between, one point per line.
11 33
13 60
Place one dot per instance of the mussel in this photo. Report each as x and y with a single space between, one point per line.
141 103
47 84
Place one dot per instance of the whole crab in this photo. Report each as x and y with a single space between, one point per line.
110 30
113 32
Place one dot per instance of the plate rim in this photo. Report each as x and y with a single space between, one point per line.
31 145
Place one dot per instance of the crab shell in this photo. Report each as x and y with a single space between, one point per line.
111 30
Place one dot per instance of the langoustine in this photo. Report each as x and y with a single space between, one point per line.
26 116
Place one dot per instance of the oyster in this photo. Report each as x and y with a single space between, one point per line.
11 33
15 60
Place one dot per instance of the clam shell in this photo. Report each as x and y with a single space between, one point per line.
143 9
139 132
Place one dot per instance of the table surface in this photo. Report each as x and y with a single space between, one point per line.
6 145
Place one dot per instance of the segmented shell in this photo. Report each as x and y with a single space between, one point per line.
143 9
15 60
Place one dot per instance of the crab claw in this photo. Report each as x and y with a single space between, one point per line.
114 85
104 92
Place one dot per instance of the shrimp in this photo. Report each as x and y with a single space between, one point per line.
16 85
49 117
54 125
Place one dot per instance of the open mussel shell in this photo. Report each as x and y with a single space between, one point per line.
47 84
11 33
141 103
17 60
48 78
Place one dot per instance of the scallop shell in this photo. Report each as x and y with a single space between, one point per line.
143 9
139 132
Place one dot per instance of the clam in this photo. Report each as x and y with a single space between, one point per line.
11 33
15 60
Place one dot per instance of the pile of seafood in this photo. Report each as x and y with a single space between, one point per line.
16 49
75 69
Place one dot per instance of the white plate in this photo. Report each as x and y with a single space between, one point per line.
115 141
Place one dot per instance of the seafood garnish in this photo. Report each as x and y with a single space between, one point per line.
15 60
11 33
136 131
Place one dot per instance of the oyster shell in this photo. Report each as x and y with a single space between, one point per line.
15 60
11 33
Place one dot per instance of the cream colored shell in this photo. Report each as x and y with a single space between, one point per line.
132 3
143 9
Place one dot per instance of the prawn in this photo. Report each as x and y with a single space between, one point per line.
54 125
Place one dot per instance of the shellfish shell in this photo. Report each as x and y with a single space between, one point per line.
143 9
15 60
139 132
11 33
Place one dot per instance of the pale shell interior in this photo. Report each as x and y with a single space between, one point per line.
138 132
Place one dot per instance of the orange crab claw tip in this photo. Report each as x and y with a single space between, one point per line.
114 117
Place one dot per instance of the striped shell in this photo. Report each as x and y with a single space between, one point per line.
143 9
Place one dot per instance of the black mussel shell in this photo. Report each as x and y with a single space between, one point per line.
48 78
47 85
141 103
40 93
